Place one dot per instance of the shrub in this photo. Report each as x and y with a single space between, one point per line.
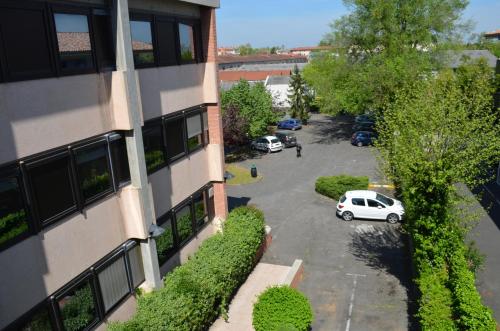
198 291
282 308
334 186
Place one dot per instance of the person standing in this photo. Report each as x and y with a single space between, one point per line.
298 148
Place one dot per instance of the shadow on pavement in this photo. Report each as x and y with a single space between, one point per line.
331 130
241 153
233 202
383 249
488 195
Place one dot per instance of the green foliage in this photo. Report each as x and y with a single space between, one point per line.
95 184
164 244
247 49
154 159
79 310
436 133
299 96
184 226
255 105
198 291
282 308
12 225
334 186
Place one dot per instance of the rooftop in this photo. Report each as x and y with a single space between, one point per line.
310 48
258 58
493 33
278 80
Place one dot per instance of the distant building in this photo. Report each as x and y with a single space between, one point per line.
222 51
493 34
456 58
228 62
306 51
278 86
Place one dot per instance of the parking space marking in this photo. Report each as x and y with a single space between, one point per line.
351 303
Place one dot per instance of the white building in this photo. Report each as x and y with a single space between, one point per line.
278 86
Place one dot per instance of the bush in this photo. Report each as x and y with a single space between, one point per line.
282 308
198 291
334 186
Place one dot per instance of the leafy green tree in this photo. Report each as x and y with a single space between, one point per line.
298 96
255 104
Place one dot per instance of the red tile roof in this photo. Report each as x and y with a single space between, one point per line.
257 58
312 48
493 33
231 76
73 41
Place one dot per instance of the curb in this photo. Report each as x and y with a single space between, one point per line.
375 185
296 274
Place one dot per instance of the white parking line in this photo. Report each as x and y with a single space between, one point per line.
351 303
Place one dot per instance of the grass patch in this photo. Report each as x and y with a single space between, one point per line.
241 175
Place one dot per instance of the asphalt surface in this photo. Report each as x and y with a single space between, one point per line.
356 273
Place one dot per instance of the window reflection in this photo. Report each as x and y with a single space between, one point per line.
184 224
73 39
93 171
186 37
142 42
77 308
13 221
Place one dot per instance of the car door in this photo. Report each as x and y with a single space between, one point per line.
358 207
376 210
263 144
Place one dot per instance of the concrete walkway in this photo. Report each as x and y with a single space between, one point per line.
241 307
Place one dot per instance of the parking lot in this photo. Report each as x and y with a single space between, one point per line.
356 273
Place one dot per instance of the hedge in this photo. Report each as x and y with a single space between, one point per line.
282 308
334 186
197 292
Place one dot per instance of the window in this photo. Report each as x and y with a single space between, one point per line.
384 199
26 46
184 223
374 204
113 282
153 147
103 39
13 216
358 202
92 166
206 136
52 186
165 243
37 319
135 260
187 42
73 40
167 46
119 158
200 209
142 43
77 306
194 132
174 130
342 199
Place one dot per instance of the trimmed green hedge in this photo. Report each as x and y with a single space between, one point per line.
282 308
334 186
197 292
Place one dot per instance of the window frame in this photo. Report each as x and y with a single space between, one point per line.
169 216
176 45
148 125
75 9
171 118
74 150
113 139
150 18
192 23
100 67
21 321
203 193
362 199
13 171
192 113
186 203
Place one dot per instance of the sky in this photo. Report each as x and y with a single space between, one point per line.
294 23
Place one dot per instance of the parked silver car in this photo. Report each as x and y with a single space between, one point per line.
267 144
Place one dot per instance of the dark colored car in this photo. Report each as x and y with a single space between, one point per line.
365 118
364 126
288 139
363 138
290 124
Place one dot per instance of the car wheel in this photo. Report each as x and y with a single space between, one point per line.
392 218
359 144
293 129
347 216
269 150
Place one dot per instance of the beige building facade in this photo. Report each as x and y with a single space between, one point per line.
110 130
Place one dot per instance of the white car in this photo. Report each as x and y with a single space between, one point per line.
371 205
267 144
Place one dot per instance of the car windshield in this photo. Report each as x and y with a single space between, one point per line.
386 200
274 141
342 198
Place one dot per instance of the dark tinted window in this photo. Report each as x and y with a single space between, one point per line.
73 40
52 188
142 43
25 42
342 198
384 199
39 320
174 129
200 209
165 242
153 147
206 136
93 170
103 39
77 307
358 202
187 42
194 132
13 218
119 158
167 46
184 223
373 203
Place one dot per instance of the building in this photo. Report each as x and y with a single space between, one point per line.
109 124
306 51
493 34
234 62
278 86
221 51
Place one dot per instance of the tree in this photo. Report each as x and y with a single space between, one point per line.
255 105
298 96
380 47
235 126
